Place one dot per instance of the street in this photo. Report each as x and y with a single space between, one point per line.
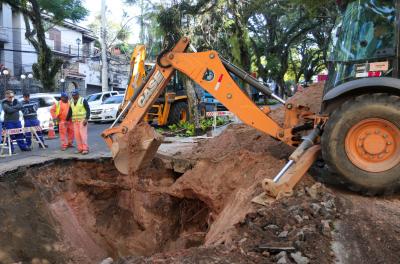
96 145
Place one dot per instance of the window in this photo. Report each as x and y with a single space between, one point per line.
114 100
93 97
366 30
105 97
365 33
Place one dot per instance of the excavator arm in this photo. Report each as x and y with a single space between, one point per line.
213 74
137 73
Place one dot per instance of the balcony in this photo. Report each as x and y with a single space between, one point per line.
4 35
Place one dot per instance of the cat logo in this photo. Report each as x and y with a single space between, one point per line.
153 84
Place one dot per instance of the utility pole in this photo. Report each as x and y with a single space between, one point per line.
141 34
103 35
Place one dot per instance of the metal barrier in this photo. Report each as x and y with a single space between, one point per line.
7 141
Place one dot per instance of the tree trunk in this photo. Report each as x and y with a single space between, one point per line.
46 68
193 103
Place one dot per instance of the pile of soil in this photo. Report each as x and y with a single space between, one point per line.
310 97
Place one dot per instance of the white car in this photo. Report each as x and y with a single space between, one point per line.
98 98
107 111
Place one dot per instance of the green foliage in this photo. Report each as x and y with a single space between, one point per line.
257 35
313 6
64 9
187 129
183 128
169 20
207 123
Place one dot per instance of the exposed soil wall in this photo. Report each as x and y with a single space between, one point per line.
82 212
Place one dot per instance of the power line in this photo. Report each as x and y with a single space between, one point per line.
62 30
22 51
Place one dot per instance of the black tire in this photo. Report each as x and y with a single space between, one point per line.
350 113
177 111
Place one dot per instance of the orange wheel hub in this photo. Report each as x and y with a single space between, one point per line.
373 145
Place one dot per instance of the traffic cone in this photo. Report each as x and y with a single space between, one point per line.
51 134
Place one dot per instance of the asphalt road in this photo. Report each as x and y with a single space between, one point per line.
96 146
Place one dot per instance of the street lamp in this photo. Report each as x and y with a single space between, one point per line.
23 77
62 81
78 42
5 73
30 77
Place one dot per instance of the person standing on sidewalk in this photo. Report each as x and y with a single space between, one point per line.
59 112
79 112
29 109
11 108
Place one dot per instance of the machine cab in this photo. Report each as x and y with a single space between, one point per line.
364 42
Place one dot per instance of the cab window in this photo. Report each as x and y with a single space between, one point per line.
105 97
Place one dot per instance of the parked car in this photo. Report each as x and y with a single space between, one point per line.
57 96
98 98
107 111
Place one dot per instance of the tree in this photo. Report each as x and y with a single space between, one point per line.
277 27
257 35
44 14
172 21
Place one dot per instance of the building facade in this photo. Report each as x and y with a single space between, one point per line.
73 43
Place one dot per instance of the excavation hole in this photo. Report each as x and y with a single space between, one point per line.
84 211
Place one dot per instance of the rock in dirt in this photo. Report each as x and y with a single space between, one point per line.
315 209
299 259
313 191
283 234
326 228
107 261
298 218
282 258
282 254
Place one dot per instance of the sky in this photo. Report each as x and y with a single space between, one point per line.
115 9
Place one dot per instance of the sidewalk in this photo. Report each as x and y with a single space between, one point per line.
98 149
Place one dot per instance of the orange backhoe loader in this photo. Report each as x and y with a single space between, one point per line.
170 108
358 128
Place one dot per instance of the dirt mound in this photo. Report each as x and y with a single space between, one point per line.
310 97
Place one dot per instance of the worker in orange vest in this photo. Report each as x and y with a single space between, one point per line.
59 111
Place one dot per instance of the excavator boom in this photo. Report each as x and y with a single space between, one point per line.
137 73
